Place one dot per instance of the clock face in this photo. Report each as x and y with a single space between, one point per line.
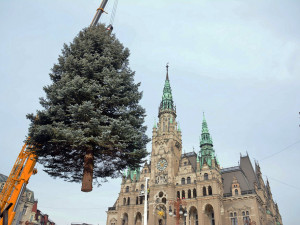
162 164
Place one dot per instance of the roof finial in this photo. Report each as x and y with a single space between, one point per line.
167 66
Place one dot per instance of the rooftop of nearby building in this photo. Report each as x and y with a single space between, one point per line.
3 178
30 197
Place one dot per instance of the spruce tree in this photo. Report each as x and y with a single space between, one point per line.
91 124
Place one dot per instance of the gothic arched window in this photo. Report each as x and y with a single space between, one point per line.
127 189
188 180
204 191
236 192
233 218
183 180
183 194
128 201
137 201
209 190
178 194
195 193
189 193
124 201
205 176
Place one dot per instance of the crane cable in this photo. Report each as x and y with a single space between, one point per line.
113 14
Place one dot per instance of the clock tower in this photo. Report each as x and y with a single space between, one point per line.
166 141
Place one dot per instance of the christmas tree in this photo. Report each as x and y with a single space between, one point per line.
91 125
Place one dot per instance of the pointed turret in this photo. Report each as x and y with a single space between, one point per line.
207 153
205 136
167 104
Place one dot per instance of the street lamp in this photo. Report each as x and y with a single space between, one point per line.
179 211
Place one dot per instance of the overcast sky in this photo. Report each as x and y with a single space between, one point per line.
238 61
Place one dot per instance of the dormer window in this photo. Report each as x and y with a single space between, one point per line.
236 192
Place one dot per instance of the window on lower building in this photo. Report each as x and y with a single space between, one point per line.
246 218
24 210
233 218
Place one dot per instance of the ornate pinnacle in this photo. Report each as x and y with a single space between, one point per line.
167 99
205 136
167 66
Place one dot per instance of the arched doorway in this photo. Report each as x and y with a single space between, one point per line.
138 219
209 215
193 216
125 219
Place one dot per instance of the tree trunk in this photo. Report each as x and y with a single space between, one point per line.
88 167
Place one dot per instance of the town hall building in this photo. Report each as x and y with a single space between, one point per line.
209 195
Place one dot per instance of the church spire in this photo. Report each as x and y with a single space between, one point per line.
205 136
167 66
167 103
207 153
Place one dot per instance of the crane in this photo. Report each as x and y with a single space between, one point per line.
23 168
15 184
99 12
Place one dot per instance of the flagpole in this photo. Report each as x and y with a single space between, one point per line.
146 201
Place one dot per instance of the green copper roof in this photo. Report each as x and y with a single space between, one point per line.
132 172
205 136
167 99
207 153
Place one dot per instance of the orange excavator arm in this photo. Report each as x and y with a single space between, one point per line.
16 183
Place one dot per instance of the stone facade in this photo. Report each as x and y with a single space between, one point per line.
212 196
